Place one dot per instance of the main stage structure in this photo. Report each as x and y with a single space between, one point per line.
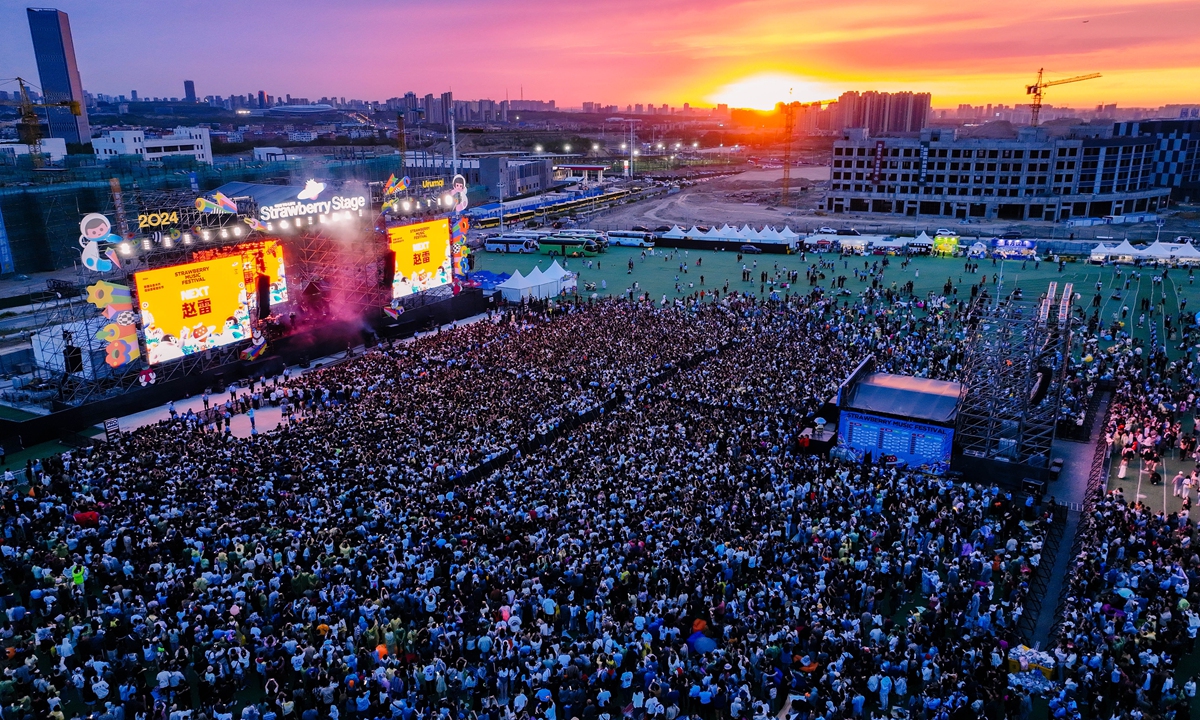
1014 375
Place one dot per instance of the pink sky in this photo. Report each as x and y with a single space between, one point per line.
622 51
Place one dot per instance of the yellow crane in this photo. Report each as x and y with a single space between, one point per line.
1038 87
29 130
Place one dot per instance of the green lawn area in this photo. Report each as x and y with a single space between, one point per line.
657 274
12 413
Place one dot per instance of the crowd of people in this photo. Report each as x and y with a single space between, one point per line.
680 556
1128 621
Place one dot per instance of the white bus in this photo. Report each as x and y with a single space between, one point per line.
631 238
510 244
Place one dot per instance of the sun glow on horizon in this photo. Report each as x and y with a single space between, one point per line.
764 90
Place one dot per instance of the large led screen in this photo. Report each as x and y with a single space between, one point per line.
187 309
422 256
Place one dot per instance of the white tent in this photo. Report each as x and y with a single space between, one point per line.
714 234
674 233
556 274
770 234
746 232
516 287
923 240
888 243
695 232
787 233
1187 253
1158 251
978 250
1125 252
729 231
1100 253
537 284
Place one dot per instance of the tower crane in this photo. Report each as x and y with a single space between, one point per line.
1038 87
789 124
29 130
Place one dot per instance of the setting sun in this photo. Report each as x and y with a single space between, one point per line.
763 91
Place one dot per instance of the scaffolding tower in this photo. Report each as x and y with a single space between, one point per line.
1014 377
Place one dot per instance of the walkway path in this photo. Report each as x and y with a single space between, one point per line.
1070 490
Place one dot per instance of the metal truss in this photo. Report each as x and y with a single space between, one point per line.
1014 377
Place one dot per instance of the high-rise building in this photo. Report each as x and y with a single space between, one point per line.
59 73
262 99
447 107
133 96
189 91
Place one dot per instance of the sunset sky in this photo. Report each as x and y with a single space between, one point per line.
625 51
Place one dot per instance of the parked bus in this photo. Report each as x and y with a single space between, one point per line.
631 238
568 246
510 244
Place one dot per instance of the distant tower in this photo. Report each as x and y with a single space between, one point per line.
59 73
262 99
189 91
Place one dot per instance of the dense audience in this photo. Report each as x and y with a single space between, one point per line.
680 556
1128 620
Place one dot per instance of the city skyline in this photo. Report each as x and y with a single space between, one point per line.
744 54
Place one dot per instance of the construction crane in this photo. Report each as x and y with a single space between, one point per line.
789 124
29 130
1039 87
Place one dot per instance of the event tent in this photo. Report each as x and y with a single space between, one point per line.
537 284
923 240
1125 252
1101 252
675 233
1157 251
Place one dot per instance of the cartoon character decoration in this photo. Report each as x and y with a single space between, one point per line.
458 246
458 193
395 310
219 205
147 377
255 224
96 229
258 346
393 186
312 190
116 304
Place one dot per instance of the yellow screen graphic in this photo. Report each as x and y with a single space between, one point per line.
191 308
422 256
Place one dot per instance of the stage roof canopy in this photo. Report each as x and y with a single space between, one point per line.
903 396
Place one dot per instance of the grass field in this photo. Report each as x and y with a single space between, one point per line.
657 275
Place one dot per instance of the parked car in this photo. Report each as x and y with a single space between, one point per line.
662 229
1011 235
945 232
827 231
750 250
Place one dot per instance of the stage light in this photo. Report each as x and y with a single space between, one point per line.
270 227
283 224
566 148
224 233
147 246
595 146
406 205
237 232
187 238
125 249
537 148
206 235
695 144
322 218
449 201
167 241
